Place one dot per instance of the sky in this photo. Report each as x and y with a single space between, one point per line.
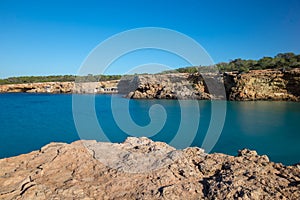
55 37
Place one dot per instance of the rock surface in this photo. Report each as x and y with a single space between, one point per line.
73 171
60 87
254 85
172 86
265 85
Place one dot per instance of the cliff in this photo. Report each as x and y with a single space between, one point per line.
264 85
142 169
254 85
166 86
61 87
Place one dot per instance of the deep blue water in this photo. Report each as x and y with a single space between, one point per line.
29 121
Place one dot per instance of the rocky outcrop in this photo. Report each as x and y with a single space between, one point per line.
84 170
62 87
254 85
51 87
264 85
171 86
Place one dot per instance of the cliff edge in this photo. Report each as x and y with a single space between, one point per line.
74 171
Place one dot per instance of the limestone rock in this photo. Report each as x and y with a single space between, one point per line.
254 85
75 171
61 87
265 85
172 86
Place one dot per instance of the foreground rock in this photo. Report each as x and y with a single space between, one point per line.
72 171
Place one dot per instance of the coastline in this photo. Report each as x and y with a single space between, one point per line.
270 85
102 87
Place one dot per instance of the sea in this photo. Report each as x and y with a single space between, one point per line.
30 121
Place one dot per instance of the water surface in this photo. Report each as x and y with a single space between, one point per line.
29 121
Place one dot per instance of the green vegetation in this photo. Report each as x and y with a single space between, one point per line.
59 78
181 70
280 61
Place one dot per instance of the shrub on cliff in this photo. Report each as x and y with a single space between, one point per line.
280 61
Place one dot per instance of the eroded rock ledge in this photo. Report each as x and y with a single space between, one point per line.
254 85
277 85
73 171
62 87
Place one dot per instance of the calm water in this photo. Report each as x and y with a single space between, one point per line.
29 121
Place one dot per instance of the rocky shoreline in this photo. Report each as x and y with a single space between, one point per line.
255 85
62 87
277 85
75 171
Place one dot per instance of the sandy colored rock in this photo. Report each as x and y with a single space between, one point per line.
172 86
265 85
275 85
60 87
73 171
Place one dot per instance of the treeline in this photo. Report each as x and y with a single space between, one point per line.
280 61
191 70
58 78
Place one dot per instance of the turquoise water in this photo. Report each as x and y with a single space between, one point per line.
29 121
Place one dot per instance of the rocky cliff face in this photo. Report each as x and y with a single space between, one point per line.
264 85
75 171
171 86
51 87
255 85
60 87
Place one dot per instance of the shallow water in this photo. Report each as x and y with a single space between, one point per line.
29 121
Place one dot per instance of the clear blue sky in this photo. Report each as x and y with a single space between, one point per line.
54 37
